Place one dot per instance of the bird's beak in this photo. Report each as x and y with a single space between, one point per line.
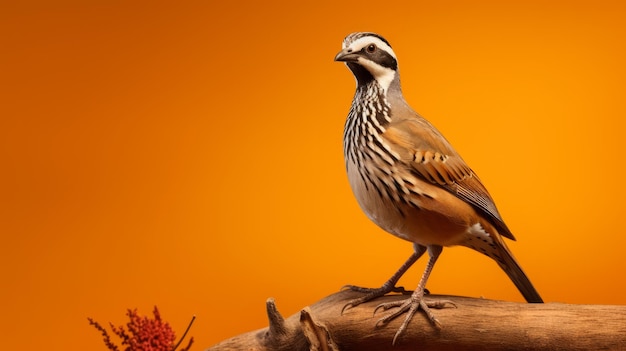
347 56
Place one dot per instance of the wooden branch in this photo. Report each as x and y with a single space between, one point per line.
476 324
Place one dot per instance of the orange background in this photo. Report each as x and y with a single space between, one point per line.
189 156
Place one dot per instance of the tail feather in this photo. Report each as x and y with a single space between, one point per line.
509 264
494 246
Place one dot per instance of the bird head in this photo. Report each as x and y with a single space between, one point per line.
370 58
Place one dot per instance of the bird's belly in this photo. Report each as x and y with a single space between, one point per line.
417 218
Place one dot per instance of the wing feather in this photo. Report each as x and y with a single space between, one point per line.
430 156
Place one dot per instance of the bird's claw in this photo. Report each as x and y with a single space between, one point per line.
410 306
370 294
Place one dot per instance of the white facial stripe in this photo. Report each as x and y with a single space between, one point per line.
360 43
383 75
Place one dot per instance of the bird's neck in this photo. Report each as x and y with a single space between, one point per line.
370 105
372 100
369 116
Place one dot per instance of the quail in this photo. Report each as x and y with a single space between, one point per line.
410 181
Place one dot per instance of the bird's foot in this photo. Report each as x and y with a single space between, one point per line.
410 306
371 294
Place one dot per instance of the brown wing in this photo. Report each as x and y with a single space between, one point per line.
431 157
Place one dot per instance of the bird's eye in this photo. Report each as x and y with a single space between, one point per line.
370 48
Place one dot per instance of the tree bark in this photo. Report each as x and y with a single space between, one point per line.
475 324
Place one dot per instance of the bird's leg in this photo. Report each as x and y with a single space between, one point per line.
389 285
412 304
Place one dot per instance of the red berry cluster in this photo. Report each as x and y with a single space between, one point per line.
141 334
